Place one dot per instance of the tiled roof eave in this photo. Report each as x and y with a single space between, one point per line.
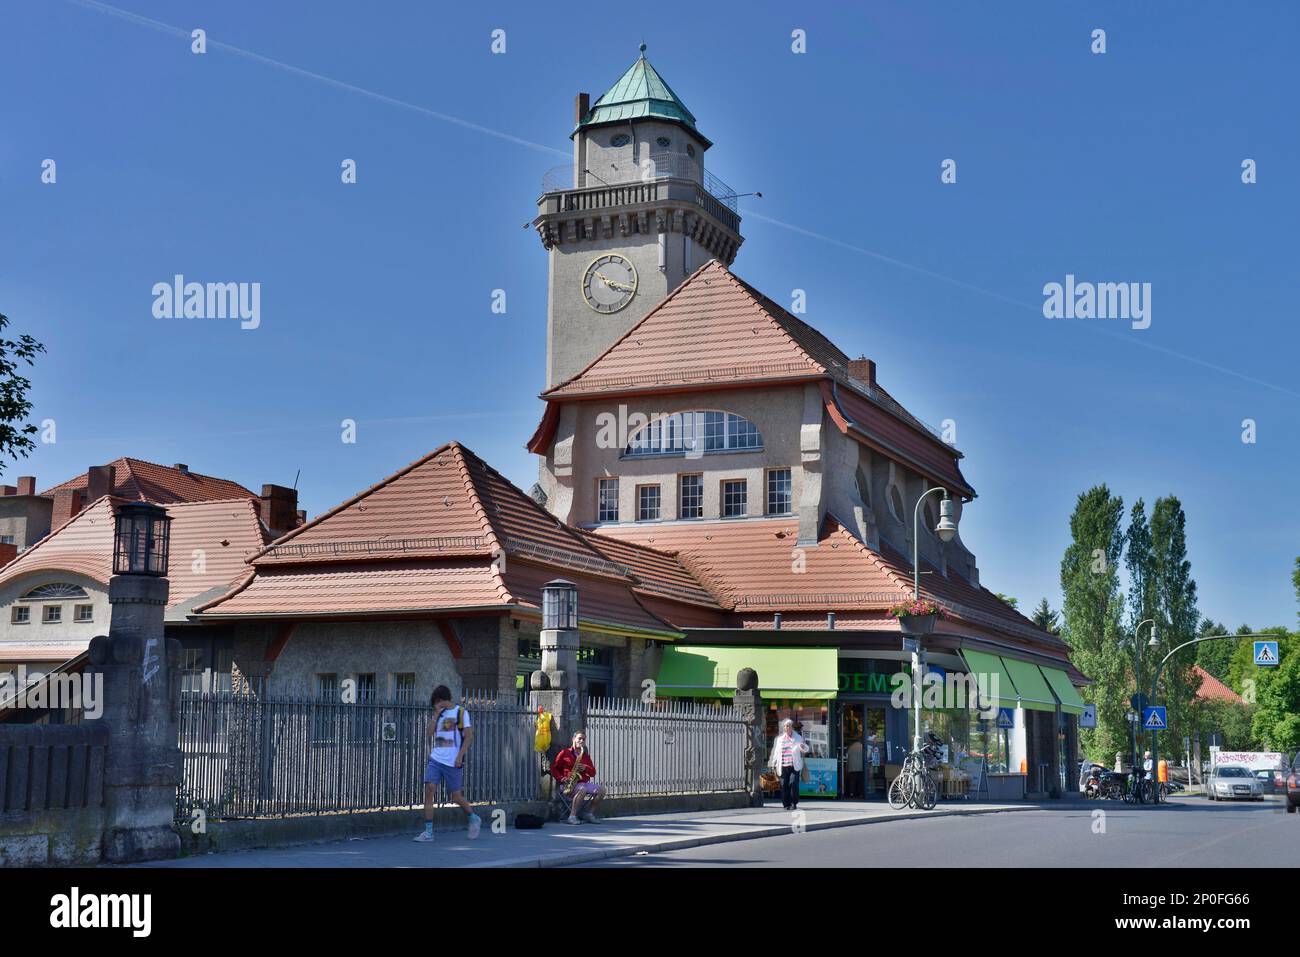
431 611
699 385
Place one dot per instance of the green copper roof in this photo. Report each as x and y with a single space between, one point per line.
639 93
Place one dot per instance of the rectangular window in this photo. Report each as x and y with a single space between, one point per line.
715 431
84 613
327 687
780 500
53 614
7 540
365 689
735 498
607 500
647 503
21 615
690 496
404 688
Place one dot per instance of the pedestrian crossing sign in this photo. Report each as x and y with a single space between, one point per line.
1153 718
1266 653
1005 718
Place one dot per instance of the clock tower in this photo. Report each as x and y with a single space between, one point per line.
633 215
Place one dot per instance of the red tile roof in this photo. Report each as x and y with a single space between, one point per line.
1212 689
455 534
210 542
140 481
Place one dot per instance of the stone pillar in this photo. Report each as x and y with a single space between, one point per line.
556 687
141 700
749 704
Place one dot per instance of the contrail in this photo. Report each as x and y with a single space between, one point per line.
543 148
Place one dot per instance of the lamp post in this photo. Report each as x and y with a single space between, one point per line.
1154 642
1155 746
946 529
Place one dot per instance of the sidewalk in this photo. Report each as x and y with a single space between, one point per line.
559 844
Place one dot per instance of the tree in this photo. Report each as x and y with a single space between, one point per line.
1045 618
1139 561
1013 602
1174 592
1276 725
1091 608
15 406
1214 656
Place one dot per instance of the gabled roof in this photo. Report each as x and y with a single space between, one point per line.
449 532
639 93
1212 689
717 331
140 481
210 542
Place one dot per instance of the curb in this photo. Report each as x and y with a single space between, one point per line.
563 859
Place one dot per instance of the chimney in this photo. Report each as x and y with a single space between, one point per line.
182 468
27 485
302 516
99 482
278 507
67 503
864 370
581 105
8 490
8 552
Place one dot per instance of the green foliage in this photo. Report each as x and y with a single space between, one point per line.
1173 591
1045 618
1013 602
1214 656
1090 611
1231 720
1276 725
15 406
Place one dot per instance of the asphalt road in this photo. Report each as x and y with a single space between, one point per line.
1187 832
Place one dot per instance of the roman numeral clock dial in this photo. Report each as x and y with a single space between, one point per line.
609 283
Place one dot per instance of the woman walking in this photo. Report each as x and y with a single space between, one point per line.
787 761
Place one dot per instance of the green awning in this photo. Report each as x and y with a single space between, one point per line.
1065 690
1030 685
698 671
990 670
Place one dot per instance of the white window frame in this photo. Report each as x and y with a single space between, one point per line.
681 496
722 497
641 493
789 490
602 485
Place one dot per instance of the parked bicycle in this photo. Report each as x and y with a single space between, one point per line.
915 786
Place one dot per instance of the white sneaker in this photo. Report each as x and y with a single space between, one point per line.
572 820
475 822
424 837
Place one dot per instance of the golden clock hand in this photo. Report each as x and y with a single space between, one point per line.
615 284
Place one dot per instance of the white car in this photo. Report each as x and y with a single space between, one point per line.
1234 782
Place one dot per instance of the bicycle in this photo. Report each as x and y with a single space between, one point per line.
915 786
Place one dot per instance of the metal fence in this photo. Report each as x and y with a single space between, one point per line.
666 747
247 756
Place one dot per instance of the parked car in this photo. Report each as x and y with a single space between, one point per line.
1293 786
1233 782
1271 780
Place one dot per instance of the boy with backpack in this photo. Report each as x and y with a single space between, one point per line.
448 738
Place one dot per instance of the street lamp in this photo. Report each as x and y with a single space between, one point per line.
945 529
1154 642
141 532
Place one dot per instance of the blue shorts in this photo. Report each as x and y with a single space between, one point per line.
436 771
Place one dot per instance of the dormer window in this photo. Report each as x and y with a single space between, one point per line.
695 433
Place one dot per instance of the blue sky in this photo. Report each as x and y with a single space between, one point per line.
1119 167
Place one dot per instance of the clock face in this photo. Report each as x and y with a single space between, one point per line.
609 283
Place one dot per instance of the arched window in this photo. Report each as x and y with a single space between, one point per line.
54 590
699 432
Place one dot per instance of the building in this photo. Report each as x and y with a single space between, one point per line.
53 590
726 487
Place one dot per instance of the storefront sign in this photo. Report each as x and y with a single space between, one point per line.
823 778
876 683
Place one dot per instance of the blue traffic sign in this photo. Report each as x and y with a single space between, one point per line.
1005 718
1266 653
1153 718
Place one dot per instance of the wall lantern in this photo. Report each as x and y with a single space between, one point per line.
140 539
560 605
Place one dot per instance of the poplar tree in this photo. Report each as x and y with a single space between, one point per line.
1174 595
1091 613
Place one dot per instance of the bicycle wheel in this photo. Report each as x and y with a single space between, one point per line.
900 794
930 796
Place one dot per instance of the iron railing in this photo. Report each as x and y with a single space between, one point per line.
666 746
246 756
